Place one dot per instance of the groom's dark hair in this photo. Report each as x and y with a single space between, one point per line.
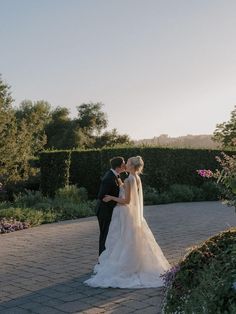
116 162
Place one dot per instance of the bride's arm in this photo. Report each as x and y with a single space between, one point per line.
120 200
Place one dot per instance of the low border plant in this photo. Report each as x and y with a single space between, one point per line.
205 280
32 208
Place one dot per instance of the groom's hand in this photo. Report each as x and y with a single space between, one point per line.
107 198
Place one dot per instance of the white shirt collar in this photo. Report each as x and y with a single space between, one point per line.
115 173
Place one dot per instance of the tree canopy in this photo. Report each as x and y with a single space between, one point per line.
225 133
33 126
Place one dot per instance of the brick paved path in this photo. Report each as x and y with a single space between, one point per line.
42 269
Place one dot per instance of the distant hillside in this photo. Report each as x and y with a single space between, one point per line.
188 141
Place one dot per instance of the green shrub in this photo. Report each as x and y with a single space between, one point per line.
181 193
32 216
165 198
198 193
204 282
211 190
14 188
69 210
32 207
29 199
150 195
72 193
176 193
6 204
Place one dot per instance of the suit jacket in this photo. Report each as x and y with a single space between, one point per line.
109 186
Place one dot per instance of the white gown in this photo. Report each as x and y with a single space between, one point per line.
132 258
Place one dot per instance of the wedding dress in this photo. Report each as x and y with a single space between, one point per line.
132 258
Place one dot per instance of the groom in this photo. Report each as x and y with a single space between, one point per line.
109 186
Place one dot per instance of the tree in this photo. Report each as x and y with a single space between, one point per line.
91 118
8 132
66 133
59 130
34 116
112 138
21 135
39 111
225 133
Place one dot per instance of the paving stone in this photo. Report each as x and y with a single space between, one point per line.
133 304
32 306
73 297
72 307
95 310
48 310
148 310
15 310
14 302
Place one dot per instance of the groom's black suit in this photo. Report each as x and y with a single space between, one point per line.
109 186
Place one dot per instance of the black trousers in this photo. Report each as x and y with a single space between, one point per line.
104 220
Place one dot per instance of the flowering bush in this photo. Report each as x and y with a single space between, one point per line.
205 173
205 280
226 177
11 225
169 276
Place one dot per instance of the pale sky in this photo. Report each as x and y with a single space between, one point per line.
159 66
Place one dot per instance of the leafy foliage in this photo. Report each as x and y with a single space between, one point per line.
227 178
33 208
72 193
60 130
204 282
209 191
91 118
225 132
111 139
21 136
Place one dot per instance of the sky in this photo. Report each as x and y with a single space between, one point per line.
158 66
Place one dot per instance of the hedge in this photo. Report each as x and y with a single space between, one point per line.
167 166
163 167
55 171
85 170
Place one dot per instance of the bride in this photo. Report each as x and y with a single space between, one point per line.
132 258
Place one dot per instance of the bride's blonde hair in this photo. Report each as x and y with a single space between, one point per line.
137 163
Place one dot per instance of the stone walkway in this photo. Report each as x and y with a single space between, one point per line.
42 269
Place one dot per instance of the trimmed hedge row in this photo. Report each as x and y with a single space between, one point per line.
167 166
163 167
54 168
85 170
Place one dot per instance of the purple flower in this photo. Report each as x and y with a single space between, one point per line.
11 225
205 173
169 276
234 285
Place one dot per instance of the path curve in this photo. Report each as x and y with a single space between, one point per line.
42 269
